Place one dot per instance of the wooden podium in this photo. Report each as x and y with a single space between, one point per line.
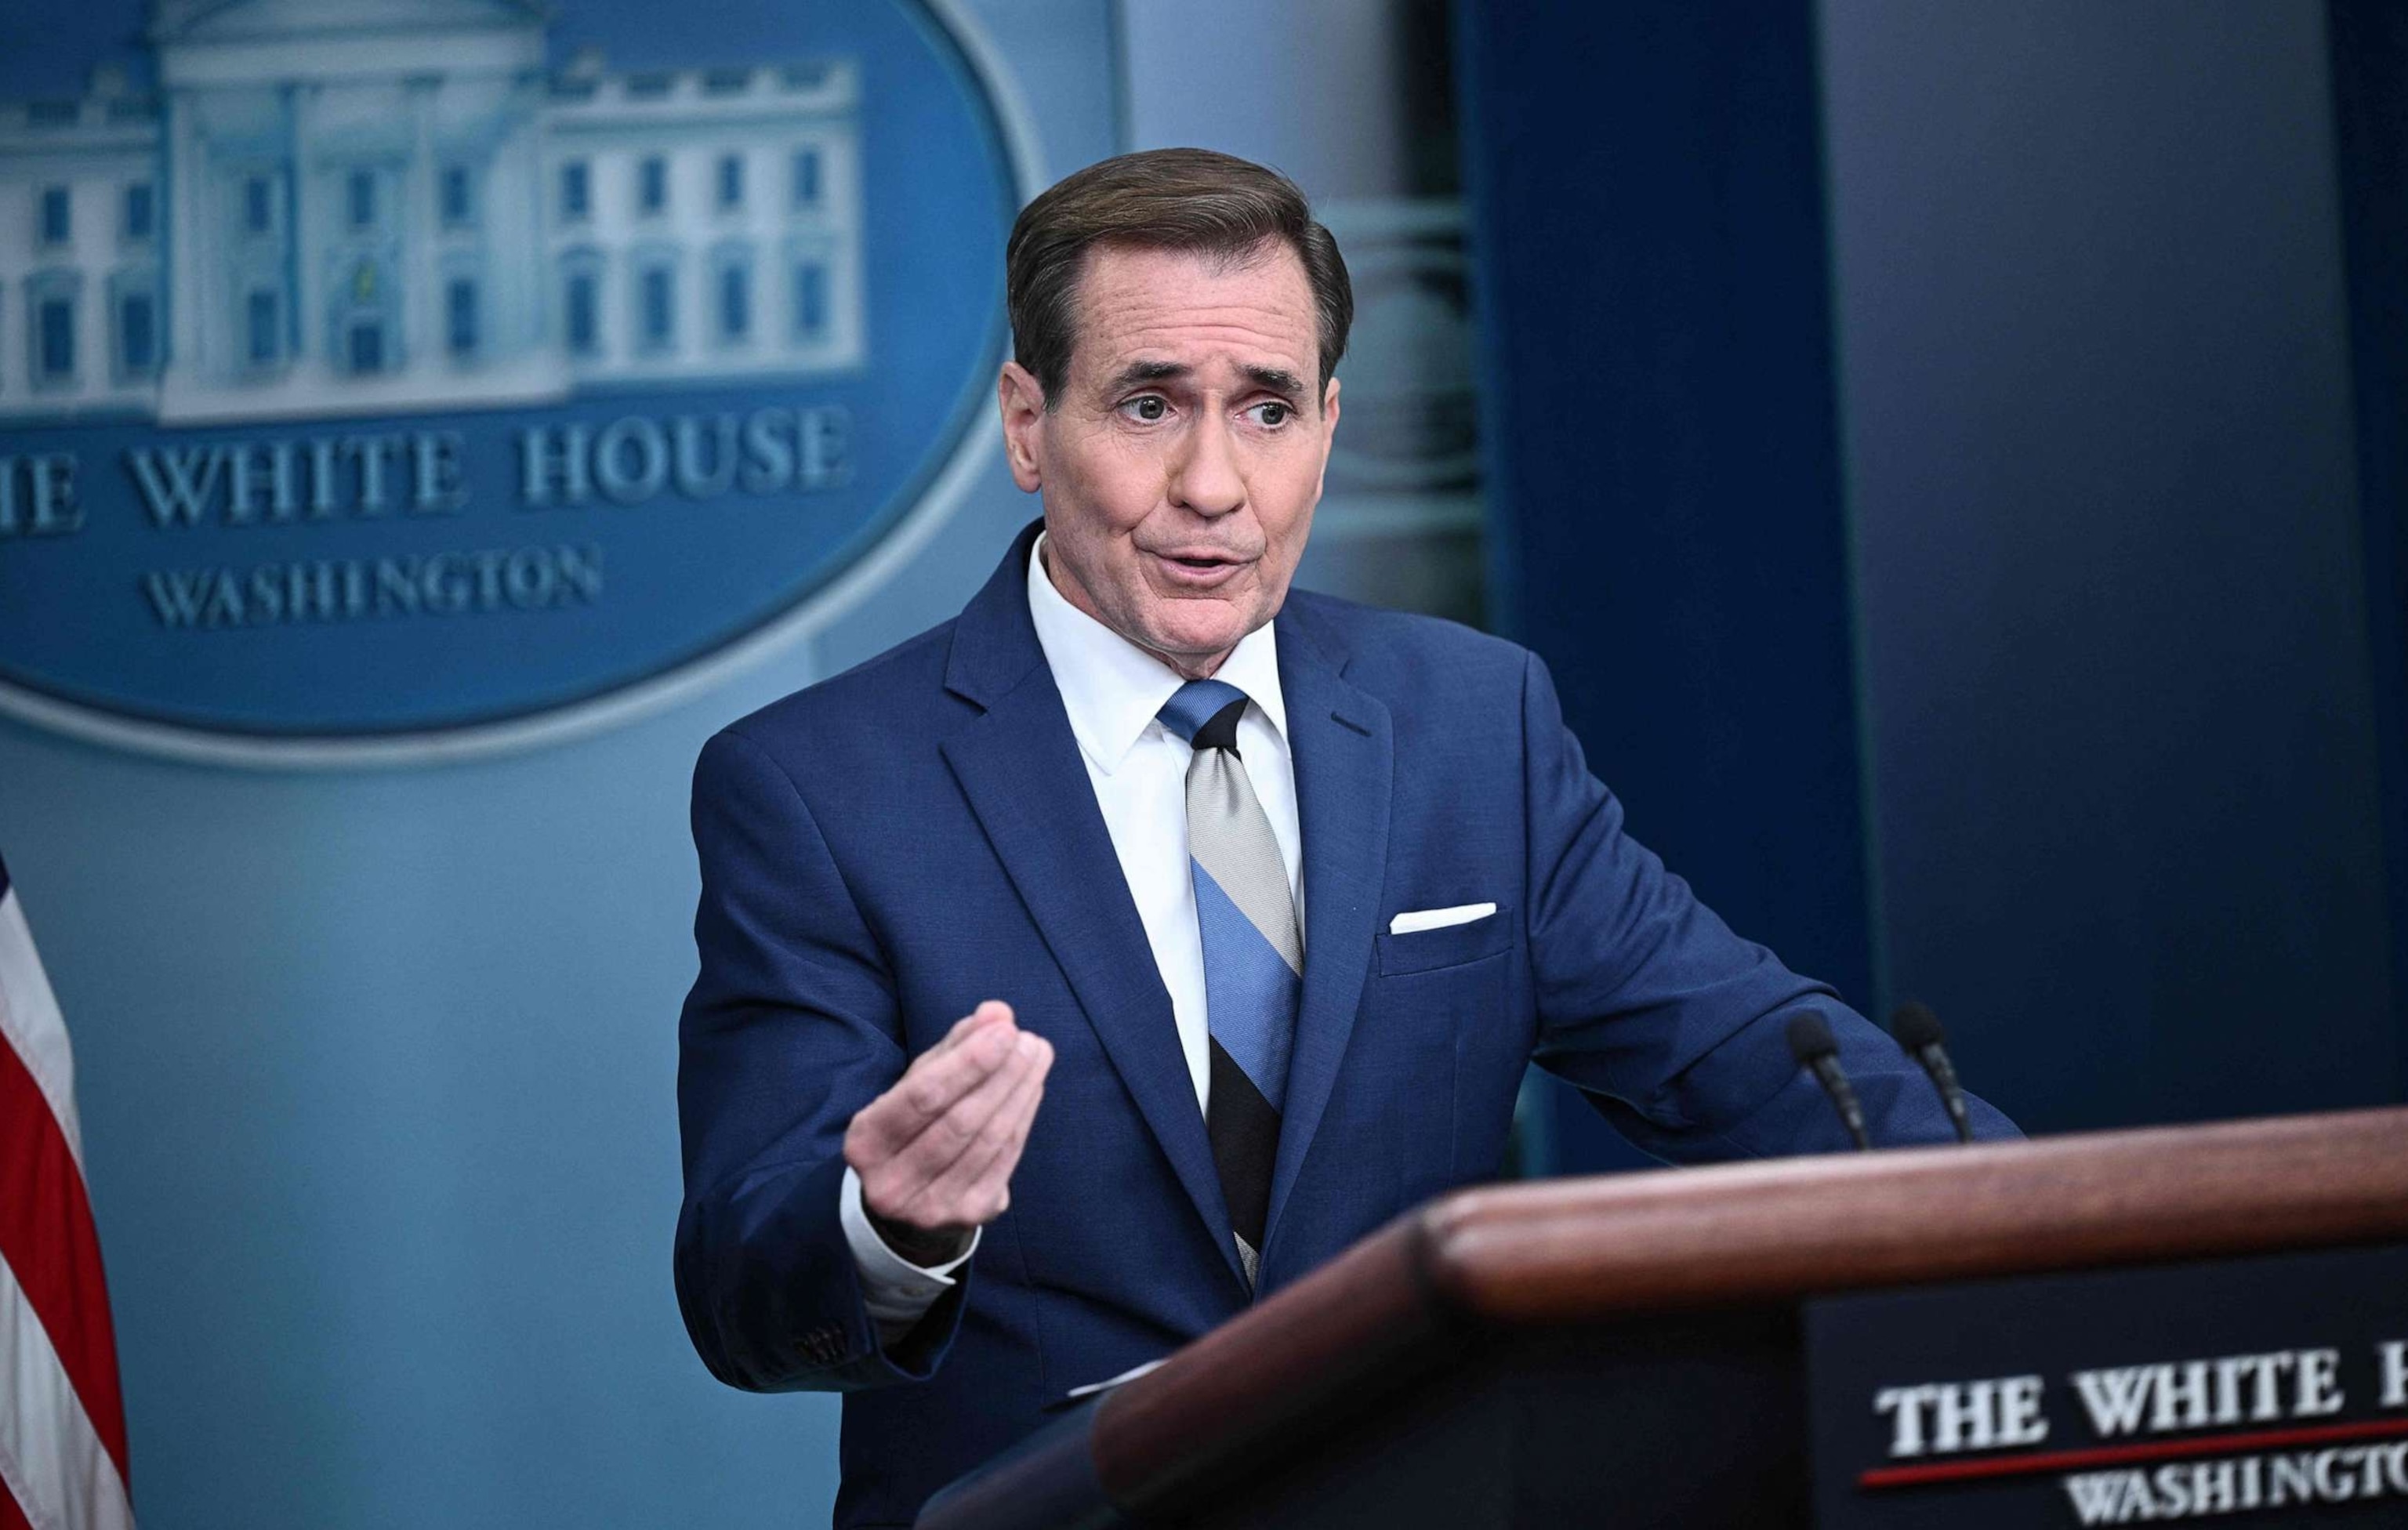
1631 1350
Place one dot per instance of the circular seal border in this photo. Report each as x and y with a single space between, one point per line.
973 454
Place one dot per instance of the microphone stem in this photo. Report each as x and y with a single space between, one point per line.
1843 1096
1952 1095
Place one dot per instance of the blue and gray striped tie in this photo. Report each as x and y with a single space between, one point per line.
1253 953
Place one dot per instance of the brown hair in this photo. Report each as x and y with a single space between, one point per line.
1188 200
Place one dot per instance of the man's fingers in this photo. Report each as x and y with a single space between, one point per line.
894 1184
986 1193
978 1045
971 1189
945 1139
974 1189
932 1086
994 1011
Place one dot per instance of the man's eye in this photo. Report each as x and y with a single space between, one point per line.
1148 409
1273 413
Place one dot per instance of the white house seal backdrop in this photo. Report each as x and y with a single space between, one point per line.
375 372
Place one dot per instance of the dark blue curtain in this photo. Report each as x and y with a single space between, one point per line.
1662 456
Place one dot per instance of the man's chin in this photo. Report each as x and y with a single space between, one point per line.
1191 646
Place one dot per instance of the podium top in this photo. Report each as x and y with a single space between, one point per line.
1576 1251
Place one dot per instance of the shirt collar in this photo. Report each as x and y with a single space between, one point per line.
1111 687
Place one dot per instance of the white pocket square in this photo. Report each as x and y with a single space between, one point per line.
1439 919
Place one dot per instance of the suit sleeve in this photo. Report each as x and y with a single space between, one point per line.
1675 1026
791 1028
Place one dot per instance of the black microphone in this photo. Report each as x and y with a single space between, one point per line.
1918 1032
1811 1043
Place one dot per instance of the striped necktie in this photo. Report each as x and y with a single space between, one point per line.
1253 953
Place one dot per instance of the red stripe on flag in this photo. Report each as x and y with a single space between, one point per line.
46 1235
12 1516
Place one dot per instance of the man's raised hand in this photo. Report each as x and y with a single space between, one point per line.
935 1152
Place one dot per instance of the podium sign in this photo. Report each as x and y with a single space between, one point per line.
2276 1386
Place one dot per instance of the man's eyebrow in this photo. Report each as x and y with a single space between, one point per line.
1276 380
1137 372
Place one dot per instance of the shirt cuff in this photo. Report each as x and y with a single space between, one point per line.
897 1292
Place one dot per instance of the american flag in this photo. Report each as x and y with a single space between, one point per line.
61 1422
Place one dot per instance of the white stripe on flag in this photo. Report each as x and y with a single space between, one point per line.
30 1023
49 1457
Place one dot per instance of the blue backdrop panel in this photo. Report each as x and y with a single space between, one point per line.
2112 598
2101 550
1662 455
377 1066
2369 59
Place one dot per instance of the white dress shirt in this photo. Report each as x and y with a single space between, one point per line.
1112 690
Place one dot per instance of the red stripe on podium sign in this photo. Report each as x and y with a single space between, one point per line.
1926 1474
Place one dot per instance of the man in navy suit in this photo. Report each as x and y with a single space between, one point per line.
1107 958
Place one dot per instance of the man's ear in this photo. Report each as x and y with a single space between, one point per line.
1021 399
1329 432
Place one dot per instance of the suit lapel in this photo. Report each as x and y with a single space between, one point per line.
1018 765
1340 741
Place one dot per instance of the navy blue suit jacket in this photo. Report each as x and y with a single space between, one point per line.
883 851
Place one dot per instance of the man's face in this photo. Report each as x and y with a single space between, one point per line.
1181 463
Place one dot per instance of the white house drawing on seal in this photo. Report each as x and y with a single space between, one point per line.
340 206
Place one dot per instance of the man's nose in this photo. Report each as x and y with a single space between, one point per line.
1204 478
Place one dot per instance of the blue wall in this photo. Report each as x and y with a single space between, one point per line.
2368 45
376 1074
2096 374
2090 524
